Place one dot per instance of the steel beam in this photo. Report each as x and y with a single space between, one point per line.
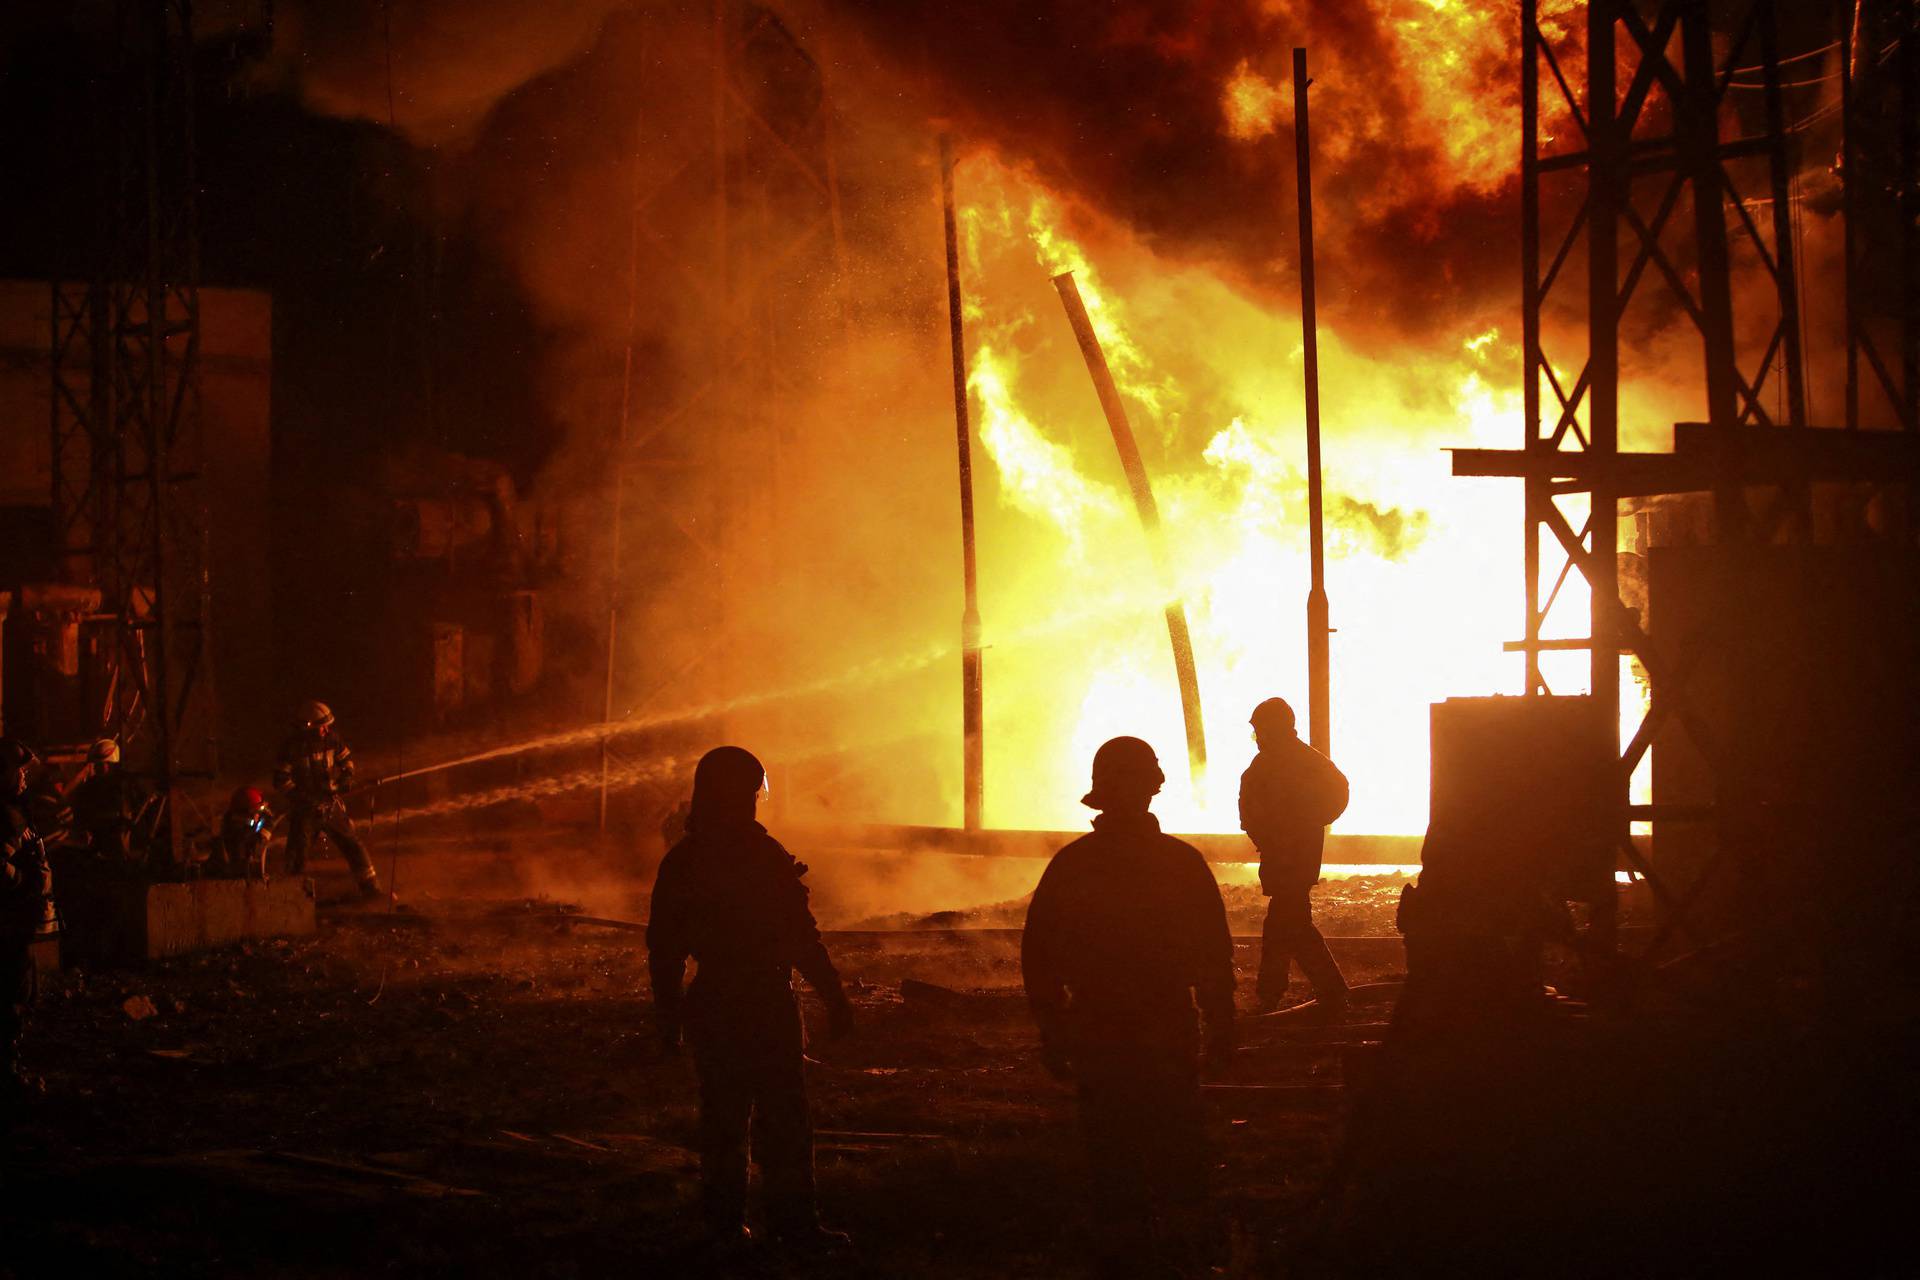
129 496
1619 137
1136 472
1319 630
972 692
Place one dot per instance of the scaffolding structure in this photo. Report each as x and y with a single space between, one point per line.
129 503
737 232
1880 166
1654 120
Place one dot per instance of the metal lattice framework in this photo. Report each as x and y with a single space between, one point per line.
82 400
1653 129
1880 163
128 484
767 187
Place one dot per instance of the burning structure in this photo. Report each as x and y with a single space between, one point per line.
559 390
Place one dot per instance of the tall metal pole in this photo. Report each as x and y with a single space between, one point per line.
1530 359
158 570
1780 174
620 476
1850 212
1906 181
1178 636
972 714
1319 659
1607 193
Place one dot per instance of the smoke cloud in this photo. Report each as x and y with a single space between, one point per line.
1172 117
433 70
1176 119
772 346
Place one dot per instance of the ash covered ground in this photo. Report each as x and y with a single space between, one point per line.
470 1084
1346 906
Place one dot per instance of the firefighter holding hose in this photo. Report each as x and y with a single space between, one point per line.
729 897
315 773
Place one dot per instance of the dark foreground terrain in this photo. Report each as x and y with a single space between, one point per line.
470 1086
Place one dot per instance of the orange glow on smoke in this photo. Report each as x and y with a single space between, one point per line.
1252 105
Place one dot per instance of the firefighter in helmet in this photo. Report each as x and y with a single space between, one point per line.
245 829
730 898
1289 795
315 773
106 805
26 906
1125 952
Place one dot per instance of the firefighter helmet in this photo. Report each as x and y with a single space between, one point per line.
1123 768
727 772
15 758
246 800
726 786
1274 715
104 751
316 714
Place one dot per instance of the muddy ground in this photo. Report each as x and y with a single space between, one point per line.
469 1085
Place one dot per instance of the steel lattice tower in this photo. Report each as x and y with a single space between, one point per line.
1668 188
128 481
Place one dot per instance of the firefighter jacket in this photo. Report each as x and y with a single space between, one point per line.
104 807
1125 929
314 769
26 881
733 900
1288 796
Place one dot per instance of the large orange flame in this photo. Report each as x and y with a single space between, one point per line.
1423 569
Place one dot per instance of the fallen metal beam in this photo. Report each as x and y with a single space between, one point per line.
1116 411
1383 948
997 842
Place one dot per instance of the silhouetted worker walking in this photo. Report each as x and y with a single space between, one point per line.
1125 928
1288 797
730 898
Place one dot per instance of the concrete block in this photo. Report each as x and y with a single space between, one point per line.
208 913
125 922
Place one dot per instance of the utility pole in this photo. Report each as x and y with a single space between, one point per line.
1319 660
972 714
621 434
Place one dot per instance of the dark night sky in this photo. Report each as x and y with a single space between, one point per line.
321 213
